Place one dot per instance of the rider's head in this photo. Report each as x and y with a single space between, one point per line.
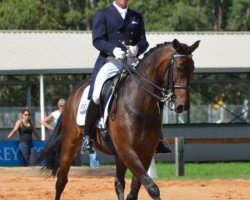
121 3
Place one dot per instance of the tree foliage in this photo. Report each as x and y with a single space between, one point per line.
239 16
159 15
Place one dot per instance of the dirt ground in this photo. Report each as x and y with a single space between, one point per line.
98 184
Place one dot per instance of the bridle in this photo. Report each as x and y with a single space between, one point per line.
168 89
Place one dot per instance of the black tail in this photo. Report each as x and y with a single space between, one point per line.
50 155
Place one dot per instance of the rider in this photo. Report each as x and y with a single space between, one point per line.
112 27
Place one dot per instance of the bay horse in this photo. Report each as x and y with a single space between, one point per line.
163 74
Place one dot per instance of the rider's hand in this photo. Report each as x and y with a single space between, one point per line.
132 51
118 53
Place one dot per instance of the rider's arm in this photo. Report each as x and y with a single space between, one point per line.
99 33
142 43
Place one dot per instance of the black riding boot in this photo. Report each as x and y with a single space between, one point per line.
162 147
91 117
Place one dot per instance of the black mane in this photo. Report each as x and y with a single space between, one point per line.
154 48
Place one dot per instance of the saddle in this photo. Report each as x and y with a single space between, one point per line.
112 86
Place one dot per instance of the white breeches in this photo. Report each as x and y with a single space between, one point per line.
108 70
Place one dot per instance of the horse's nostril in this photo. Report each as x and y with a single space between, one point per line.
181 108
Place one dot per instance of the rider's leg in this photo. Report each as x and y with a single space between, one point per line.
91 116
108 70
163 147
92 81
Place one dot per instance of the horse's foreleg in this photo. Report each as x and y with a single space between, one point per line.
66 159
119 179
135 187
133 162
151 187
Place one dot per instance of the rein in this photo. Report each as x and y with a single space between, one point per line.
167 91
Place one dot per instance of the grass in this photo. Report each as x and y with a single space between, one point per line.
203 171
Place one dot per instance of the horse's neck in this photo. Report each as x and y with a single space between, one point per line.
148 82
154 66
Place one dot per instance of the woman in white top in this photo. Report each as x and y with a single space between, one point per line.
54 115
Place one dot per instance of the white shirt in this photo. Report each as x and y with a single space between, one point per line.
122 11
56 115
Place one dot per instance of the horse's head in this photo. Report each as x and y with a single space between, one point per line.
177 80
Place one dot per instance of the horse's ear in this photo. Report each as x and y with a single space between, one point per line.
195 45
176 44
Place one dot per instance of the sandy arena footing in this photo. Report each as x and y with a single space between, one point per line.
24 183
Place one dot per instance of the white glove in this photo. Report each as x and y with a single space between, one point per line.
132 51
118 53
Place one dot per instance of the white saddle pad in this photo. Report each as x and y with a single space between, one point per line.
82 109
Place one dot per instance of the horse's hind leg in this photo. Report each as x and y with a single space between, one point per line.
135 187
62 175
67 156
119 179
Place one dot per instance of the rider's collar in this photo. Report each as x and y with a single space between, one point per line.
121 10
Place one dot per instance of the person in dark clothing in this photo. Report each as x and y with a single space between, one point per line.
25 128
112 27
117 32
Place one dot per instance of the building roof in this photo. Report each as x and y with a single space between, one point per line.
217 52
32 52
57 52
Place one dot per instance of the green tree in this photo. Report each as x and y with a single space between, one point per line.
19 14
159 15
216 13
42 15
188 17
239 16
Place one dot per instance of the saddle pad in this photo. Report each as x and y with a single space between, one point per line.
82 109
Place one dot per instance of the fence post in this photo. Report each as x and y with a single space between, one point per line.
179 156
